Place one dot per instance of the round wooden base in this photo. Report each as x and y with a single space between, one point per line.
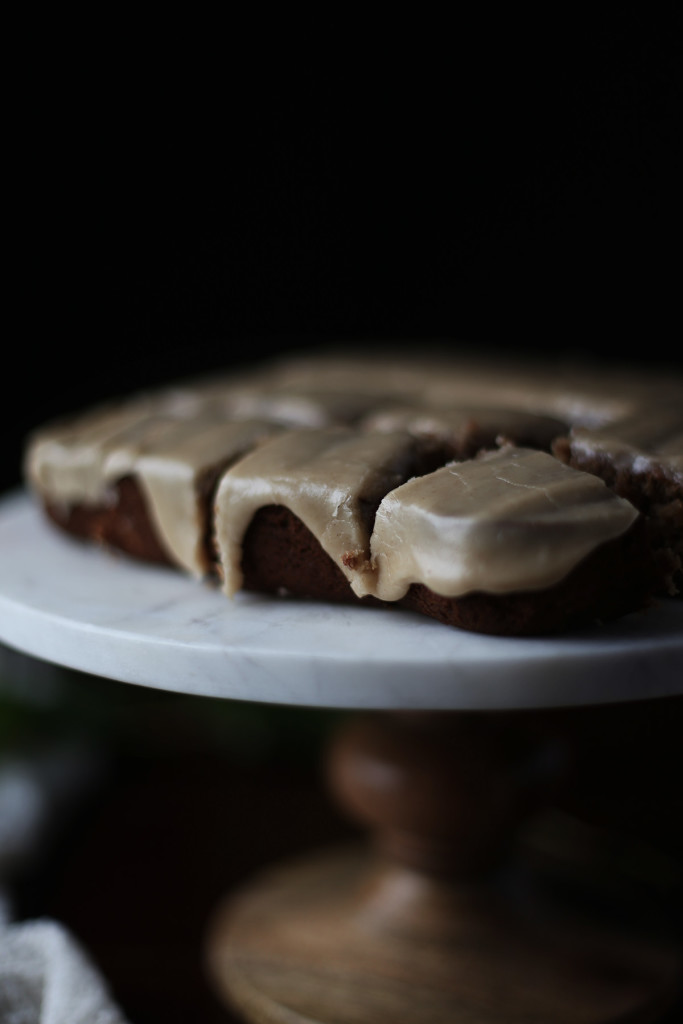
351 939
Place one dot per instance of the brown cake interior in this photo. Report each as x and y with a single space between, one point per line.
281 555
653 493
123 523
607 584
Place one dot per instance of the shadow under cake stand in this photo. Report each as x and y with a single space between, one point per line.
450 750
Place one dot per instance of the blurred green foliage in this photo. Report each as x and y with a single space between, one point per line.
41 703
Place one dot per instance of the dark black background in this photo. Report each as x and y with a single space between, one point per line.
511 186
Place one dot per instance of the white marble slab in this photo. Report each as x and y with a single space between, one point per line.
83 608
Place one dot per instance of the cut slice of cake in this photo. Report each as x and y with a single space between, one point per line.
327 478
641 458
465 430
297 513
512 542
140 480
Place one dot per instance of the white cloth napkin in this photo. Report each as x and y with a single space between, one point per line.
46 978
45 975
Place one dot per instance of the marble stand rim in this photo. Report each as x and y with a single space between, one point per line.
76 606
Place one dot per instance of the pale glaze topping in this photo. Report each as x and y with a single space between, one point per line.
468 428
511 520
307 407
514 519
81 462
327 478
64 461
169 474
578 391
649 438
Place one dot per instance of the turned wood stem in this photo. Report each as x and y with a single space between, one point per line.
445 793
430 933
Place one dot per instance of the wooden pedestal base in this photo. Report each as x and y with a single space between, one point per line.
338 939
438 925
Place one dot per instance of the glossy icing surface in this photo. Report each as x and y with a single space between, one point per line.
467 428
324 477
148 625
488 523
647 438
512 520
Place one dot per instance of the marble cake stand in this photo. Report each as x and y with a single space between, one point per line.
437 925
